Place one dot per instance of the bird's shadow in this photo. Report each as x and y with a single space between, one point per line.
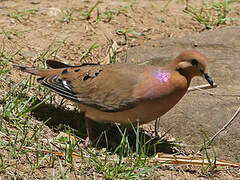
109 135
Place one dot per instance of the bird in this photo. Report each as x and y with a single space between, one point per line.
123 93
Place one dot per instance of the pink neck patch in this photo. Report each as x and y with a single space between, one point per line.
162 76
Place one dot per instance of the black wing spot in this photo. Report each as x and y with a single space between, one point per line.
76 70
87 76
64 71
97 73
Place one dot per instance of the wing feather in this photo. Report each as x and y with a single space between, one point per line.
107 88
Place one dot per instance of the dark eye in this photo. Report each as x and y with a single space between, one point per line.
194 62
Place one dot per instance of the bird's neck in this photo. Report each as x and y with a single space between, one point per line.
187 73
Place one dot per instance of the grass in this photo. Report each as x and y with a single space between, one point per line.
17 130
22 14
87 14
127 165
67 16
211 168
10 34
126 33
105 16
212 14
89 51
108 15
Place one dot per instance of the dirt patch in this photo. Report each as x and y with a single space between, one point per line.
33 26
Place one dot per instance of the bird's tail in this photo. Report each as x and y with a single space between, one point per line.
38 72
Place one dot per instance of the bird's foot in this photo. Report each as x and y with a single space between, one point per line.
156 135
86 142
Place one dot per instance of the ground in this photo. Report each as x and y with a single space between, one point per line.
76 32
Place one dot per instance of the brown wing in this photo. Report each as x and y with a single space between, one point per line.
105 87
56 64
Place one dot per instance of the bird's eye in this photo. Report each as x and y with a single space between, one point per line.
194 62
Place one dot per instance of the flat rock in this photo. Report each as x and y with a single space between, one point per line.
199 114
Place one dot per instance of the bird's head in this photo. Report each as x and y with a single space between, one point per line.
192 63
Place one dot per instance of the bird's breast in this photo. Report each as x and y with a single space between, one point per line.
154 84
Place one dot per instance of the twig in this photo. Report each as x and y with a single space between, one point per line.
223 128
167 159
191 160
205 86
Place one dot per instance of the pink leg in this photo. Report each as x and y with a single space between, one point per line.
90 133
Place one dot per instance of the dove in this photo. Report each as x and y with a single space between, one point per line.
123 93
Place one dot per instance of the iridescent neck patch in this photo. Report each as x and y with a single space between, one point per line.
162 76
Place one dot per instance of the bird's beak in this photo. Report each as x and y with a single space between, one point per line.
208 78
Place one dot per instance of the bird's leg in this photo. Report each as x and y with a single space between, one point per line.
90 133
156 127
